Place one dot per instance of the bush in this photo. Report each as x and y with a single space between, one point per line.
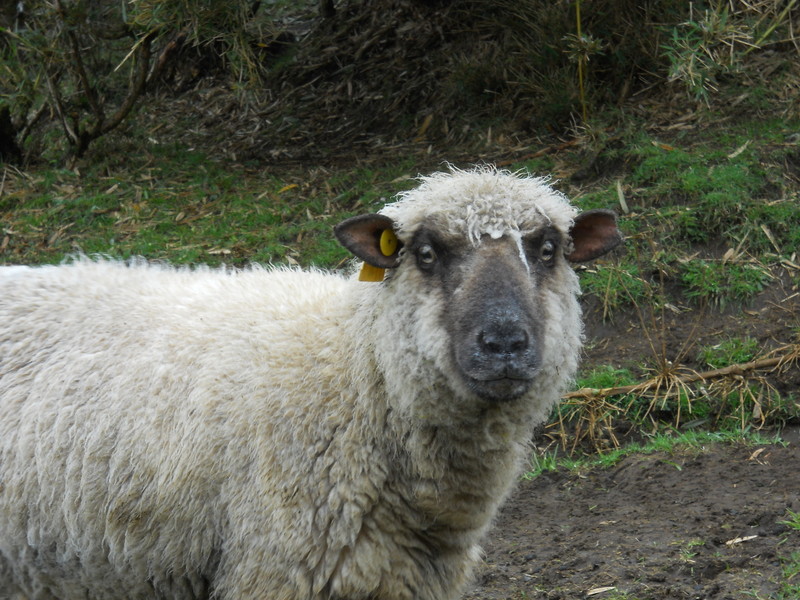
86 64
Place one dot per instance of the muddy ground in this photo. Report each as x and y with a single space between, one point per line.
688 525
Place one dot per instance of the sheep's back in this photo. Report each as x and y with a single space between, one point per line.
128 391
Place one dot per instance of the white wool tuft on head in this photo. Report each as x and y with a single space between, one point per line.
488 201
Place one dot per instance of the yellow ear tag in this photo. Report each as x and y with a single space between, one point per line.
370 273
388 242
388 245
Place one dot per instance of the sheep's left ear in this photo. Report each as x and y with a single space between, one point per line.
593 234
371 238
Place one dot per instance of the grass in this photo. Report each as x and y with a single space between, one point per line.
670 443
792 520
709 215
725 392
606 376
729 352
790 586
790 563
181 206
617 286
721 284
721 188
687 550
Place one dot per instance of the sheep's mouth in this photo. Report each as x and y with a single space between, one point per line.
501 379
500 389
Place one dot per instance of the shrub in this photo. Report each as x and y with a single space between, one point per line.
87 63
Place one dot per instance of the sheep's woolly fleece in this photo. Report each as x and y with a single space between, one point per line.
265 433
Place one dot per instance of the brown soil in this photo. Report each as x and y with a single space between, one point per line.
686 525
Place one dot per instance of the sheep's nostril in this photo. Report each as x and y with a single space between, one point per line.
504 339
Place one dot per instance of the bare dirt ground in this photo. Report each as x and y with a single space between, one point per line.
690 525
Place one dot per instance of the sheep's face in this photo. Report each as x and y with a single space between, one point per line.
500 290
491 317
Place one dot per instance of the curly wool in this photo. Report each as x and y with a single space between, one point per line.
481 202
266 433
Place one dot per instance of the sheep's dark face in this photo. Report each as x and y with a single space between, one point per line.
491 305
495 293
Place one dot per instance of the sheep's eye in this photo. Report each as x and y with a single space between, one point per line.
548 250
426 255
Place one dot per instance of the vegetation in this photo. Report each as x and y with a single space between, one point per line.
790 560
87 64
73 70
670 442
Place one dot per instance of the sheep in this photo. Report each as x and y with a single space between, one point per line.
287 434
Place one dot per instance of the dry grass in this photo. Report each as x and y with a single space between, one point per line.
590 415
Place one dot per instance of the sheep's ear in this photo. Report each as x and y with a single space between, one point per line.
371 238
593 234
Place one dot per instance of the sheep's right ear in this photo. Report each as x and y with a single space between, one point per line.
371 238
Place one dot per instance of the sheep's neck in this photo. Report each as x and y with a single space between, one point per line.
456 478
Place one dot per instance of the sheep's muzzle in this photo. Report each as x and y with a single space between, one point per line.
501 360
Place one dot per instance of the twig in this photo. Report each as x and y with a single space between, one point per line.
136 87
772 27
581 62
692 377
169 49
88 88
59 106
23 133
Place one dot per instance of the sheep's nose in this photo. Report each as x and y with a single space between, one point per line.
504 339
499 357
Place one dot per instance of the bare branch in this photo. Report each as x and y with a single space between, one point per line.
169 49
55 95
791 355
137 84
88 88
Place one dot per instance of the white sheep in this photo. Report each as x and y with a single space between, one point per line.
282 434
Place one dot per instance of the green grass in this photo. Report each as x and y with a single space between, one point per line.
668 442
180 206
703 195
605 376
721 284
729 352
792 520
790 585
790 562
617 286
709 216
687 550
